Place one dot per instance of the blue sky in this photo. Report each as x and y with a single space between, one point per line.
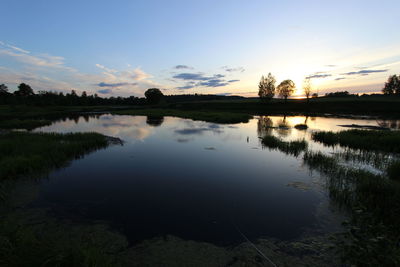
222 47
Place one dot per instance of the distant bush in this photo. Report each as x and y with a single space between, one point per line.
340 94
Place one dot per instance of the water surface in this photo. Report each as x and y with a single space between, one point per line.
195 180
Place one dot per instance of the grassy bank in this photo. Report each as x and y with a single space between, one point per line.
208 116
380 106
388 141
23 154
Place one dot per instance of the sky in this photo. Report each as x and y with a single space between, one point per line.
122 48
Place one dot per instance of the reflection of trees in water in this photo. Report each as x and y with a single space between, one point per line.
284 128
392 124
264 126
155 120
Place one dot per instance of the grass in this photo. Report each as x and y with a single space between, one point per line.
29 154
32 238
292 148
388 106
372 234
369 140
208 116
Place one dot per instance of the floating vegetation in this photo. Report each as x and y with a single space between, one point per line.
292 148
301 126
370 140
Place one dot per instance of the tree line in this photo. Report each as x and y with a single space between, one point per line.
392 86
25 95
267 89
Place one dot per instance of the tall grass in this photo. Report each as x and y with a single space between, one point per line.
388 141
292 147
374 204
23 154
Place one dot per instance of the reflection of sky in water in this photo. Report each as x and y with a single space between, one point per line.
191 179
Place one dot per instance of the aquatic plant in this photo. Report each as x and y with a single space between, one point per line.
29 154
301 126
292 147
373 202
370 140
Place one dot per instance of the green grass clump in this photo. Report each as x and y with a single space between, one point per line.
393 171
372 234
208 116
23 153
23 124
291 148
388 141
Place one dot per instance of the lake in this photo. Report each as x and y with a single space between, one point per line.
195 180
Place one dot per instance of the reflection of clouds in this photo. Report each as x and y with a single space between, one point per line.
184 140
128 128
200 129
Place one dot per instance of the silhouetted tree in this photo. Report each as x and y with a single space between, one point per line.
307 87
266 87
315 95
24 90
153 95
286 89
3 89
392 86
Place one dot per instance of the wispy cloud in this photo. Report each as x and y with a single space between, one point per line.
319 75
340 78
193 80
179 67
103 84
105 91
237 69
363 72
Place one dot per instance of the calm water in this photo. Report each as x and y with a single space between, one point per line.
196 180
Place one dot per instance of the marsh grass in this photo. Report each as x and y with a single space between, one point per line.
292 147
376 159
373 202
208 116
28 124
369 140
30 154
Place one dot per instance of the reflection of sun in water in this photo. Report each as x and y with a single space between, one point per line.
295 120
